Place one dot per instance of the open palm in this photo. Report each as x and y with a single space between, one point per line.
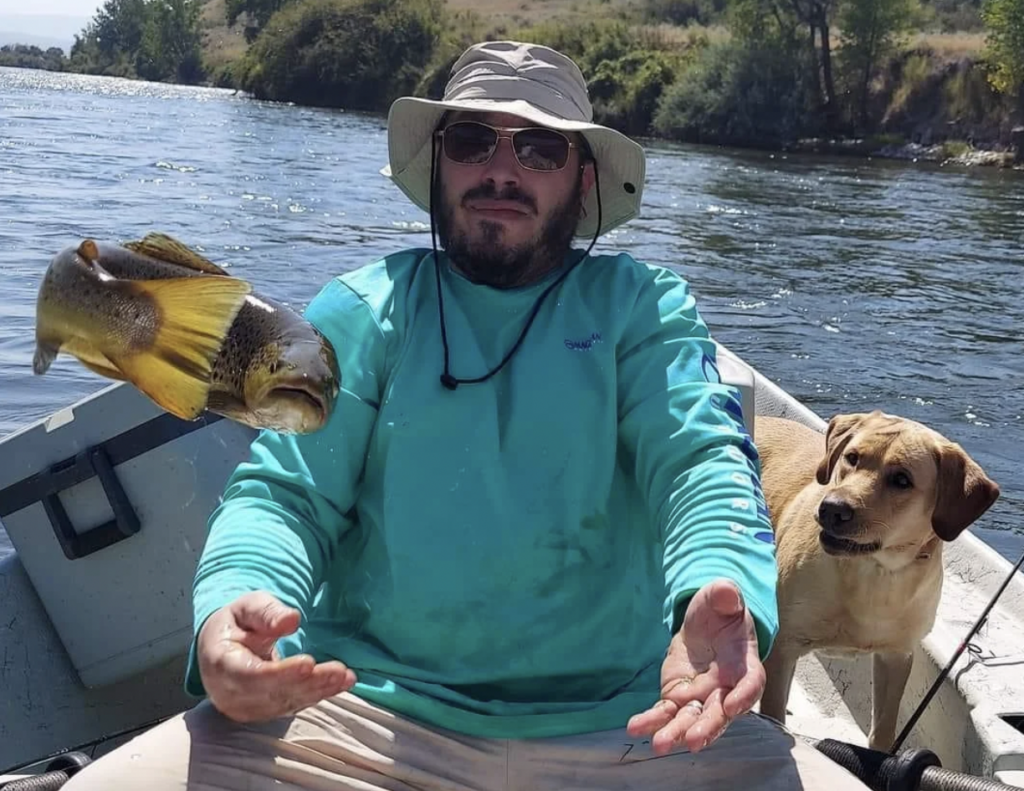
711 673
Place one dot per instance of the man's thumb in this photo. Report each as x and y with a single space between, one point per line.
265 615
725 598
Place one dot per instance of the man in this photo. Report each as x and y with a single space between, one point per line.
530 549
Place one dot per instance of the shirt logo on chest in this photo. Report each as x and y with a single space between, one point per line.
583 344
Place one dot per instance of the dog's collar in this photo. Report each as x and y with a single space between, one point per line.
924 553
927 549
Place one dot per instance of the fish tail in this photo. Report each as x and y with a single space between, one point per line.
195 315
45 354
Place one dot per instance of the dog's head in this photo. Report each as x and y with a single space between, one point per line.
893 484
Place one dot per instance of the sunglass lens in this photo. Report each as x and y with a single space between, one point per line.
469 143
541 149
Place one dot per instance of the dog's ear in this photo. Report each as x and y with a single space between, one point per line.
837 437
963 492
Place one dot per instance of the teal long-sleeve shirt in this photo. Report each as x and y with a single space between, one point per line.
508 559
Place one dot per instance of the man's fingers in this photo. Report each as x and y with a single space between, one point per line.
648 722
675 695
323 682
709 725
263 690
745 694
694 725
295 673
333 677
264 615
240 669
682 690
673 732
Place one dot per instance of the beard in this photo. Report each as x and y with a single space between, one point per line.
487 260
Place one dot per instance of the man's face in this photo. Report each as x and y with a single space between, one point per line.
503 224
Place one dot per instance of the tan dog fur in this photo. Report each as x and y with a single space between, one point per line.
866 575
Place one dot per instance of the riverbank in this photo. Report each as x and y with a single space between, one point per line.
952 153
930 98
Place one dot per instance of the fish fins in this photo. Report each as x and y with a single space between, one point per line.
166 248
91 358
43 358
196 315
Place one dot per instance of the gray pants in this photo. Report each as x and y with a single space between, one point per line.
346 743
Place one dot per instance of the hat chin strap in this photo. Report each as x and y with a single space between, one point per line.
447 380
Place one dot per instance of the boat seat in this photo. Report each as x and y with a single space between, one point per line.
772 401
761 396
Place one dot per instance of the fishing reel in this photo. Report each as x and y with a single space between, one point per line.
57 771
909 770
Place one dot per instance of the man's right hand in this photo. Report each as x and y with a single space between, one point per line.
245 677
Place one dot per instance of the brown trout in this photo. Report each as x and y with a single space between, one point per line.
175 325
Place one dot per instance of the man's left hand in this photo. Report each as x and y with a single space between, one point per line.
711 675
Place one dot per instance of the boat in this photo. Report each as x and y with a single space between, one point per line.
106 503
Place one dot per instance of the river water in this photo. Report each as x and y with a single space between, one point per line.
854 284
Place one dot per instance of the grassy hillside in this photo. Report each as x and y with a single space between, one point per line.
652 77
221 44
501 17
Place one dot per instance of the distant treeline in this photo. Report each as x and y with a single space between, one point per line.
763 73
24 56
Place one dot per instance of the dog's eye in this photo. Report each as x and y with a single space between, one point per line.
852 458
901 480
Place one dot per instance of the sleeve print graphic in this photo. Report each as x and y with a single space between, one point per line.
747 453
708 367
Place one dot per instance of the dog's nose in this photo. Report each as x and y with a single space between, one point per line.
834 513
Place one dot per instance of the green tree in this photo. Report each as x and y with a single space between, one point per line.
357 54
110 40
171 46
626 71
871 31
744 93
151 39
1005 22
26 56
777 23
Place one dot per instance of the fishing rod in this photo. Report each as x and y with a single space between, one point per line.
917 769
944 674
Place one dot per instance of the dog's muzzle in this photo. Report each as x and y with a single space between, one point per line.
835 515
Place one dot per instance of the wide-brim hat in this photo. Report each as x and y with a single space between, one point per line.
538 84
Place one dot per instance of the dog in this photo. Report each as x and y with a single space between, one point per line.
860 516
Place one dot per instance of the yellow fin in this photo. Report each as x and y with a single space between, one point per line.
166 248
195 316
91 358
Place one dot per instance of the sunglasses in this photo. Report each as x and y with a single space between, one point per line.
535 148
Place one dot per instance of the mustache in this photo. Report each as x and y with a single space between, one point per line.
490 192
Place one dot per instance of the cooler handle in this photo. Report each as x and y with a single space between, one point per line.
124 524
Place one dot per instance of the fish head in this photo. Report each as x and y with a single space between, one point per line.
292 385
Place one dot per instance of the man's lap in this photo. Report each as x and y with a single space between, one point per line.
348 743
